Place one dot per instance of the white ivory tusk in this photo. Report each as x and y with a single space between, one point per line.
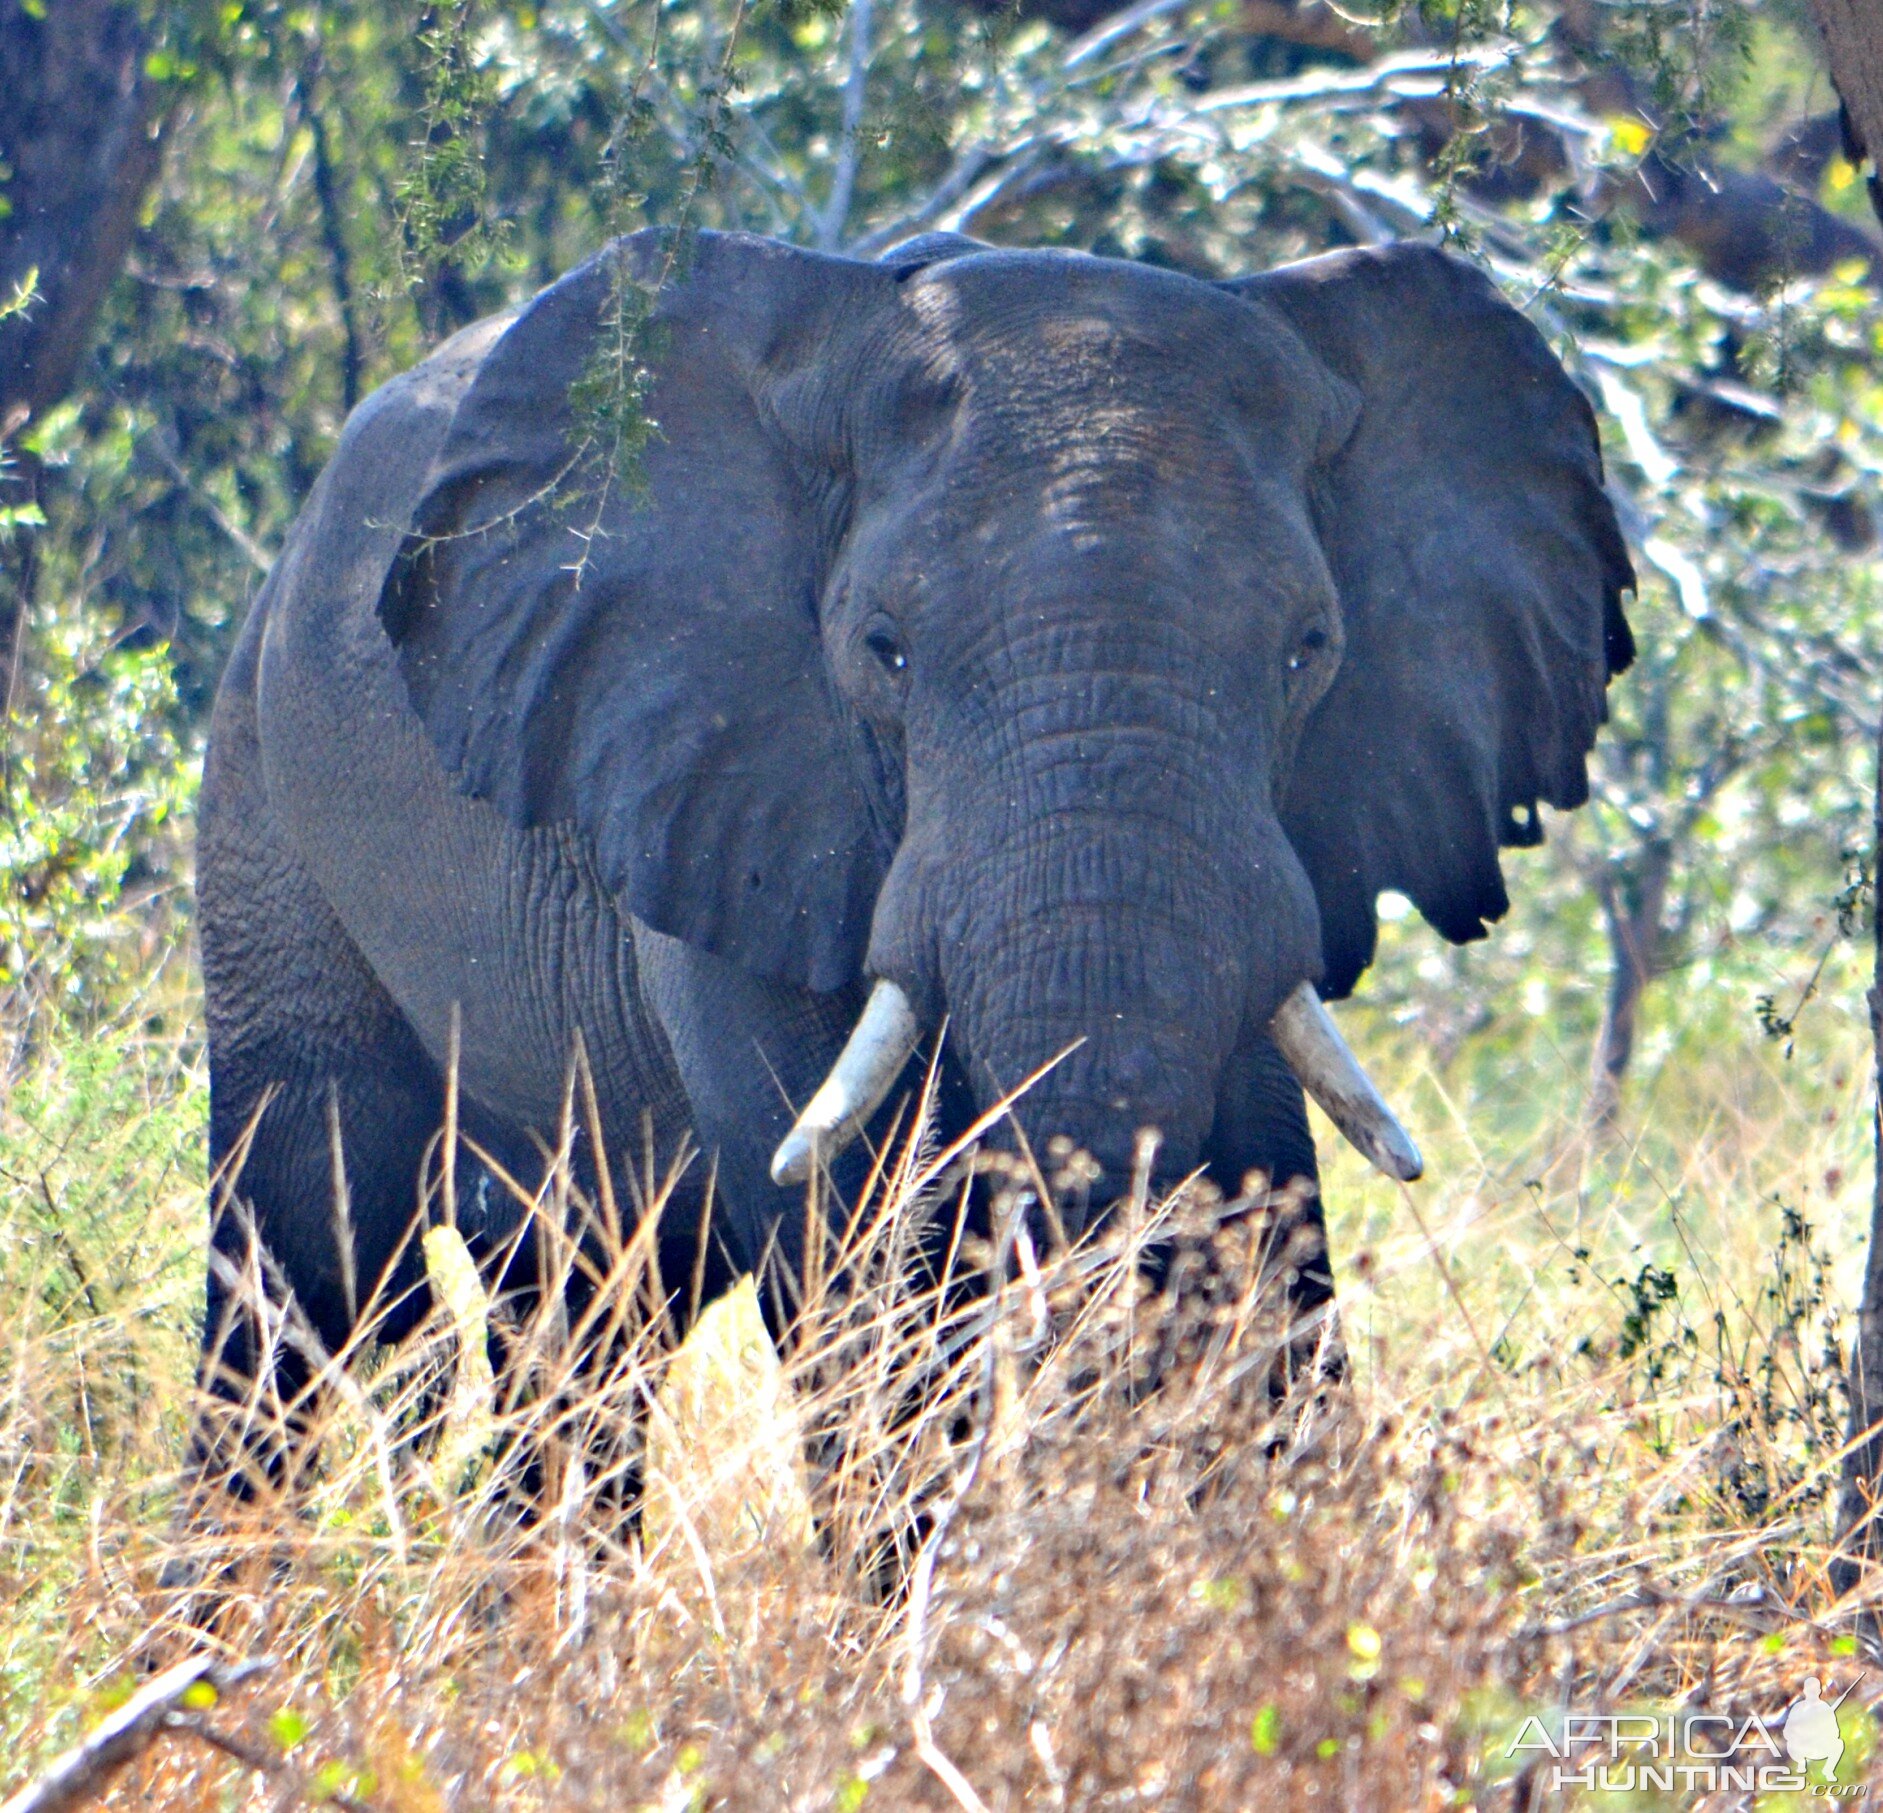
865 1071
1307 1037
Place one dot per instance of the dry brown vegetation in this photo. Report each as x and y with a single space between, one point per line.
1064 1545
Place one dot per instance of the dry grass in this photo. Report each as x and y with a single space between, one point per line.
1581 1461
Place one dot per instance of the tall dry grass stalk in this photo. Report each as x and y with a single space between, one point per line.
979 1521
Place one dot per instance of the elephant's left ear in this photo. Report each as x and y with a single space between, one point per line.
1480 570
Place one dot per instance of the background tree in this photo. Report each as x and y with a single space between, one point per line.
1853 38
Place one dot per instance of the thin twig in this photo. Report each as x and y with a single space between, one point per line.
245 544
1121 25
273 1768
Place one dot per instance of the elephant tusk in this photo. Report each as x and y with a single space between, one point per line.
1307 1037
865 1071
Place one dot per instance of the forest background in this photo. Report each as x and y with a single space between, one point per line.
222 222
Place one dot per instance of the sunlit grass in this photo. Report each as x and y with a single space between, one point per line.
1588 1375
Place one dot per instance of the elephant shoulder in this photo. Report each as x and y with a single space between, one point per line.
318 666
447 904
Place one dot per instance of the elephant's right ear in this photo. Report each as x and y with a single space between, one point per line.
636 653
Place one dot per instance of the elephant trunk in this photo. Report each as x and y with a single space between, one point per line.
1120 969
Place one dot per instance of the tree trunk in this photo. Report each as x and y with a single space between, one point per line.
1853 38
1859 1501
1634 911
80 125
1853 43
79 134
1859 1526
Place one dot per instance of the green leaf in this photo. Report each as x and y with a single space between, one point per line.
287 1727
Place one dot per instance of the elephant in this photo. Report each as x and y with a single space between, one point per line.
1060 649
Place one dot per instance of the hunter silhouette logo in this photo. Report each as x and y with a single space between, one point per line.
1811 1733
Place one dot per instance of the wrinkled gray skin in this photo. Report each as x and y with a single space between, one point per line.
1079 645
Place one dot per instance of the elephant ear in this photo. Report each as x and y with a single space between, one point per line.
1480 570
927 249
635 652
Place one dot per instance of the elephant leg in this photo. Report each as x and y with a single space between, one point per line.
750 1053
308 1055
294 1252
1261 1125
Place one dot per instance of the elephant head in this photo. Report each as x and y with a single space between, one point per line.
1073 649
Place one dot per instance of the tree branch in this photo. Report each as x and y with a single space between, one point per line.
843 182
83 1771
333 236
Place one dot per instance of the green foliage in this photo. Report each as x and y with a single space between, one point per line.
1651 1290
445 217
347 181
1767 1377
486 150
610 397
92 797
1695 58
102 1190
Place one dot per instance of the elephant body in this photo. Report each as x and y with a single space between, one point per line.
1079 646
362 918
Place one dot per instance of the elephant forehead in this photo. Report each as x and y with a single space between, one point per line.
1094 364
1090 317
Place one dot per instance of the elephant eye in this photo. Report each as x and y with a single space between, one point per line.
1307 651
886 648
